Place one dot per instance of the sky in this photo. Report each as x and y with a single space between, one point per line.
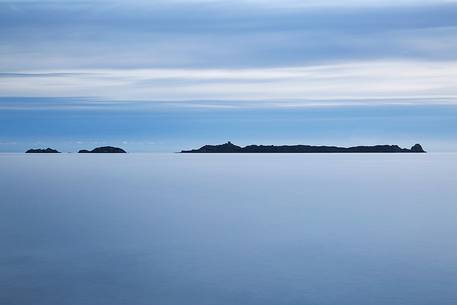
161 76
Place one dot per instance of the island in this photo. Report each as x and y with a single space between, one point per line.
42 151
103 150
232 148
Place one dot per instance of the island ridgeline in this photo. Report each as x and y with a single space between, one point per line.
42 151
103 150
229 147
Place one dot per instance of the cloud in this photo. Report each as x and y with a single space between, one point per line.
247 50
364 82
220 34
283 3
28 75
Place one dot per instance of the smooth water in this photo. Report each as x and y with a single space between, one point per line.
171 229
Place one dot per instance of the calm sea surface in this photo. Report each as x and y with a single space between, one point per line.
171 229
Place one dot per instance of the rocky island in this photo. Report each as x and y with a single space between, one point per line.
232 148
42 151
103 150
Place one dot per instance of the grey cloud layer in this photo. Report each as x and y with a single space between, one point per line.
112 34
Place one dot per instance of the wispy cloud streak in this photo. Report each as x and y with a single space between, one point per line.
395 80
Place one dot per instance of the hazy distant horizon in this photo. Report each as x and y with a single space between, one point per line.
143 127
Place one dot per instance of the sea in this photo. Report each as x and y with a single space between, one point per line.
228 229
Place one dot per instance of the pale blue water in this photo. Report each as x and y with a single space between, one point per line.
228 229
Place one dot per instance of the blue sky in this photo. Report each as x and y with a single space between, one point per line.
166 75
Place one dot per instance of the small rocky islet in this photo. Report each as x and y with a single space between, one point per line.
42 151
103 150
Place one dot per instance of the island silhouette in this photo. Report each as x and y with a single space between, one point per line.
103 150
229 147
42 151
97 150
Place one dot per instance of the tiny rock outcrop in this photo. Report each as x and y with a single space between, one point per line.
417 149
